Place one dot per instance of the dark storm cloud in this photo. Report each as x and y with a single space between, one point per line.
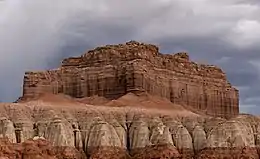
38 34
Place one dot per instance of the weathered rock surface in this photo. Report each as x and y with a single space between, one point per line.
123 132
114 70
37 149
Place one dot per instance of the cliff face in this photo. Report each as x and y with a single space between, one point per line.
114 70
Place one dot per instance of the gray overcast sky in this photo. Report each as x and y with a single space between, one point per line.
37 34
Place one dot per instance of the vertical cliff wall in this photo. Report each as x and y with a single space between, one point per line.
113 70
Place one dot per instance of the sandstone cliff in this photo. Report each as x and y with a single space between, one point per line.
115 70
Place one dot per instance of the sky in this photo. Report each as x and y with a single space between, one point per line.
36 35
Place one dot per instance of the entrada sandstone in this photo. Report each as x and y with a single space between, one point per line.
114 70
128 101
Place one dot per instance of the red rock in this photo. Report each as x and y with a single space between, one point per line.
109 153
114 70
157 152
37 149
228 153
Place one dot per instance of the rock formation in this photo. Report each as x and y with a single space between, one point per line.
128 101
37 149
76 130
115 70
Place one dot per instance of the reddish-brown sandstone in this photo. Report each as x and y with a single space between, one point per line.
37 149
115 70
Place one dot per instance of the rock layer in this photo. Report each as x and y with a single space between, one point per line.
127 132
37 149
114 70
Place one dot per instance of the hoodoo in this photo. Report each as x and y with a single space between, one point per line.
112 71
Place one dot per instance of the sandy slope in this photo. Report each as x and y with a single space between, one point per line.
138 101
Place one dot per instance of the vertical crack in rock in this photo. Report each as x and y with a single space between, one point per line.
18 134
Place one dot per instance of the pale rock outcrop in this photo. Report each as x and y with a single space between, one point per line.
139 134
7 129
160 133
60 133
199 138
103 134
231 134
127 130
23 129
183 141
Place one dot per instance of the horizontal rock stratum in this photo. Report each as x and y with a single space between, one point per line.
115 70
